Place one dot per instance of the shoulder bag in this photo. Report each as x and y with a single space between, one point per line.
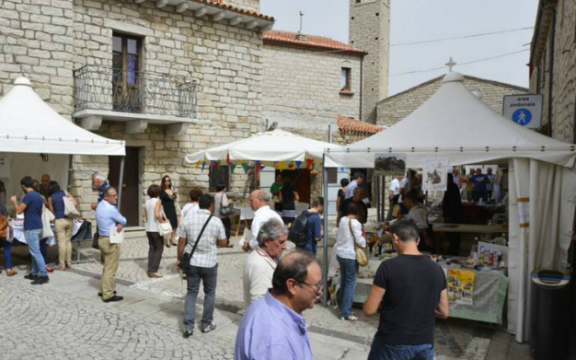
187 256
70 210
361 255
164 228
225 211
47 217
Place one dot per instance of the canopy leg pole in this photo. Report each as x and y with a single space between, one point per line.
325 242
121 182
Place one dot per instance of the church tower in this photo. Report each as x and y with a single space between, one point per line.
370 31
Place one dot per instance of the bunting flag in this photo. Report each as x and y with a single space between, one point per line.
245 167
280 165
198 163
275 163
298 164
203 165
309 163
257 164
262 167
313 166
291 165
228 159
233 167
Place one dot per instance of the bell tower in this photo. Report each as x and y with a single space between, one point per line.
370 31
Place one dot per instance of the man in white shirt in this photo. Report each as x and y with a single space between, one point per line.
393 195
356 181
404 188
261 263
259 203
203 263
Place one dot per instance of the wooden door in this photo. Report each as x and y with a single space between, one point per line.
130 206
300 181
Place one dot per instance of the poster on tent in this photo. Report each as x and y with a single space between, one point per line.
435 177
389 164
461 286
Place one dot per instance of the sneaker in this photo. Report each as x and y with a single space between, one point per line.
209 328
30 277
41 280
188 333
113 299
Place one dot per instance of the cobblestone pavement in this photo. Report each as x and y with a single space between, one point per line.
74 324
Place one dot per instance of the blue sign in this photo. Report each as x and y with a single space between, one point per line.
522 117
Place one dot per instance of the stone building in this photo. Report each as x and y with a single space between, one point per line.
169 77
397 107
552 67
370 30
308 81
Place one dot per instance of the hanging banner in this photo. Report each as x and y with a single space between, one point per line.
435 176
461 286
389 164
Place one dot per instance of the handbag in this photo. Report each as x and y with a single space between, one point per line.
84 232
4 228
225 210
361 255
47 217
164 228
70 210
185 260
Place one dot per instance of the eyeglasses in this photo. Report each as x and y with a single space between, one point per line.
316 287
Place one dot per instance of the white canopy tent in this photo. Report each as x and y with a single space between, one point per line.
456 125
30 126
267 147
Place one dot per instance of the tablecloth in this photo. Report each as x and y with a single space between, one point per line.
18 230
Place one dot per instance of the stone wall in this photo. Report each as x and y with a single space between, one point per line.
36 40
370 31
301 89
253 5
564 79
399 106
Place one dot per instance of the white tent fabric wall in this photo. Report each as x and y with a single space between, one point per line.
541 238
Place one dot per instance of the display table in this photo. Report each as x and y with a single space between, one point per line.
466 228
489 293
17 226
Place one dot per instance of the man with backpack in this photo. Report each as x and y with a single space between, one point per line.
306 231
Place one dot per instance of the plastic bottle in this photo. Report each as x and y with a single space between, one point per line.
491 258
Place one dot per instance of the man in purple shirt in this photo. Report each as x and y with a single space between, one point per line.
273 327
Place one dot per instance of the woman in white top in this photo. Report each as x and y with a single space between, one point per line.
220 201
154 215
349 233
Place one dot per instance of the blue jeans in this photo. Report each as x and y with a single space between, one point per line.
311 247
208 277
348 276
33 240
7 252
382 351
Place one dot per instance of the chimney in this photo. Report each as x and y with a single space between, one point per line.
301 37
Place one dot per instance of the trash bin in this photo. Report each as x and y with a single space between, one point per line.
550 329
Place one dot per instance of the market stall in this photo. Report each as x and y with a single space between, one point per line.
35 139
456 127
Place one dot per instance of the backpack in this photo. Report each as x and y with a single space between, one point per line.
298 232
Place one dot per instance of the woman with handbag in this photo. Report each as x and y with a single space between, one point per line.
63 224
348 239
154 219
7 245
168 197
223 210
46 228
288 198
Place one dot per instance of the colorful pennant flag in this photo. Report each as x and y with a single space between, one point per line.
203 165
298 164
280 165
245 167
309 163
228 159
233 167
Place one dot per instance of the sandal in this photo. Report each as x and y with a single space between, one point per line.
49 269
68 265
350 318
11 272
61 268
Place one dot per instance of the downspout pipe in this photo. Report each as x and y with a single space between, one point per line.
362 87
551 72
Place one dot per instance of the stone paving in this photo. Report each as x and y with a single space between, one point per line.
74 324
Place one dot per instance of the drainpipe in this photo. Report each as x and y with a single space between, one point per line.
362 86
551 86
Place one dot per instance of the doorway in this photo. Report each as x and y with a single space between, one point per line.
130 206
301 182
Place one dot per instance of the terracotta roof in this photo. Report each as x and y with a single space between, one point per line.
277 37
351 124
222 5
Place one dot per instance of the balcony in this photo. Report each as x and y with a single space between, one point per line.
137 98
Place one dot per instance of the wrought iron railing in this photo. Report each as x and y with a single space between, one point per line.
105 88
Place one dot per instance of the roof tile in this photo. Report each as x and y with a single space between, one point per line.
350 124
312 41
221 4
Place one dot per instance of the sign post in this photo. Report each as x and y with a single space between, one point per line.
524 110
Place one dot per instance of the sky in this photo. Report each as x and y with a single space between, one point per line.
422 20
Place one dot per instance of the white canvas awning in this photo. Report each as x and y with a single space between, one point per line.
29 125
267 147
456 123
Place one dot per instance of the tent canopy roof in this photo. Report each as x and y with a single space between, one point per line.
455 124
270 146
29 125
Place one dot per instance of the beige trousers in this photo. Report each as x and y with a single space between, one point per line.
64 229
111 256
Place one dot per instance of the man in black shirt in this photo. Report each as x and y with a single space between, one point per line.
411 290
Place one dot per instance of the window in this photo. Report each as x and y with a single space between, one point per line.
126 54
219 175
345 82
